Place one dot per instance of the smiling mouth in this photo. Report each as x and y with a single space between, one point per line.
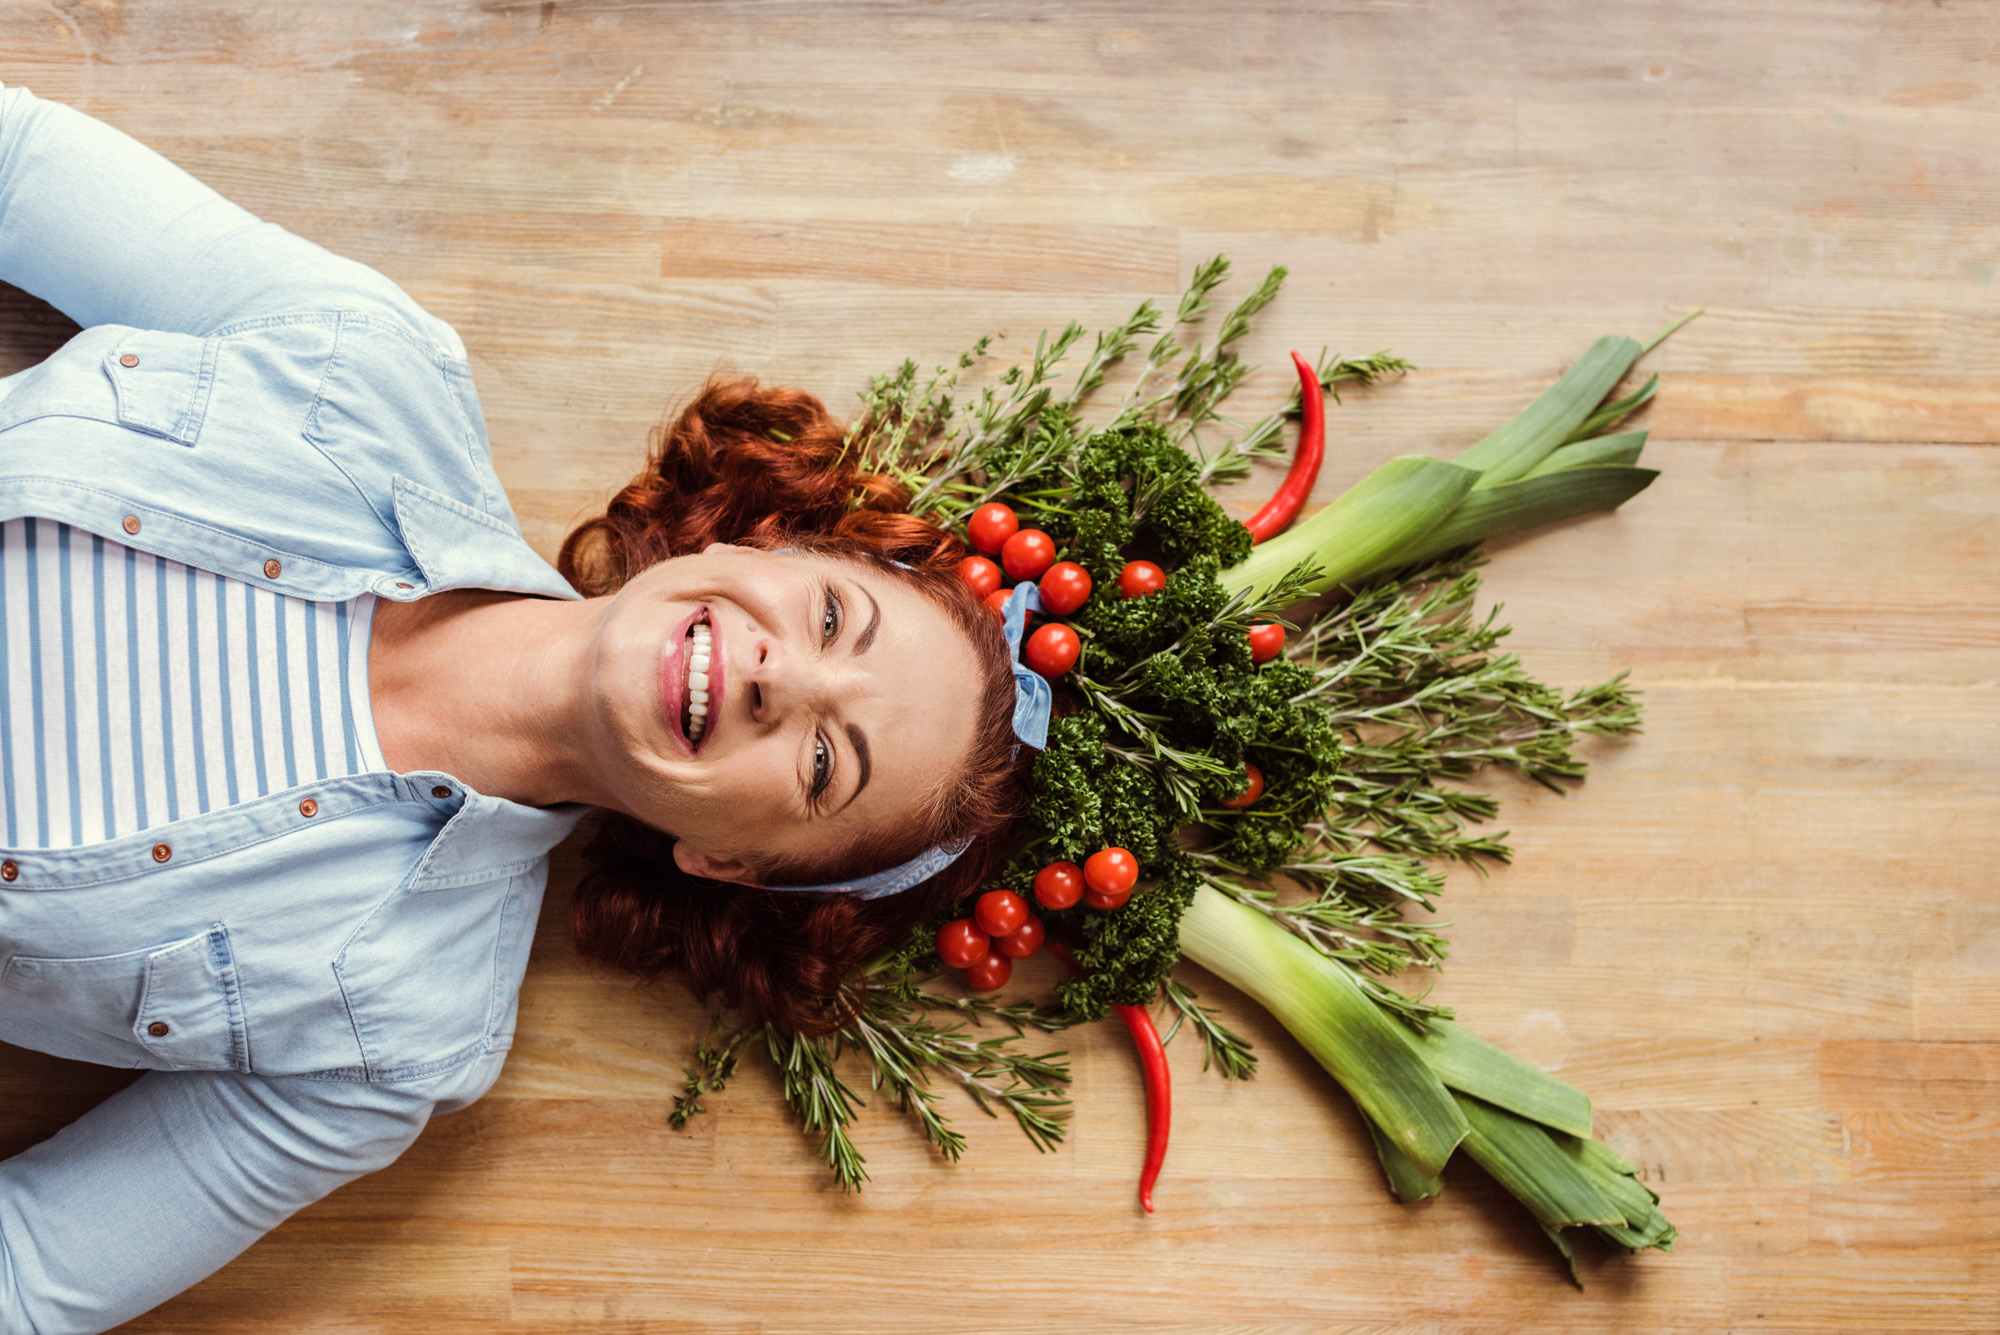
695 693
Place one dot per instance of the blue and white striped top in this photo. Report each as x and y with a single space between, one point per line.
135 691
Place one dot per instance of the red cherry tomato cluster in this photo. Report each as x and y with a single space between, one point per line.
1027 554
1000 931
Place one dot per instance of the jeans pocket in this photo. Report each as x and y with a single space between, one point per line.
173 1007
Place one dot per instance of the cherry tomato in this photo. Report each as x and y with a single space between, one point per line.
999 912
1023 941
1266 642
997 600
1065 587
1052 650
990 527
979 574
1111 871
1109 903
1250 794
1059 885
989 974
1028 553
1141 579
960 943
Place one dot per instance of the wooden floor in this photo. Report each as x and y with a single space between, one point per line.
1765 936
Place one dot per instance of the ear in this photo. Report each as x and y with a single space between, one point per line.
695 862
715 547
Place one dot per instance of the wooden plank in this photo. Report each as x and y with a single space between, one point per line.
1909 1077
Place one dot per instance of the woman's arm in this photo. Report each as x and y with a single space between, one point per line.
109 232
174 1175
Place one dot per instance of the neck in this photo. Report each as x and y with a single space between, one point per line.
490 688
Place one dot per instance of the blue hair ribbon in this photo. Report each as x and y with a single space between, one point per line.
1032 701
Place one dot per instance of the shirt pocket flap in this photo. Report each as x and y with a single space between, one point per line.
177 1002
162 382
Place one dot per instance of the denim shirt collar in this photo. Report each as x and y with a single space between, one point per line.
491 837
456 546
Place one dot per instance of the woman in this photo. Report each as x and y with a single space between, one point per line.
290 717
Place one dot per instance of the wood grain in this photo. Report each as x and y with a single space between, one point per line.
1765 936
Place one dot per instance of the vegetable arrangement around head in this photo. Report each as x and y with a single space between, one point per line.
1254 763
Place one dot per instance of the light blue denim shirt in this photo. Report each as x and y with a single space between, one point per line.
305 990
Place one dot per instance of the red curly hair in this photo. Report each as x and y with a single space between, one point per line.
767 467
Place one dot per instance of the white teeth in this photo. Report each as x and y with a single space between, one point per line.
701 643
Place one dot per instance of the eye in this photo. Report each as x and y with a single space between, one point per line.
829 622
822 767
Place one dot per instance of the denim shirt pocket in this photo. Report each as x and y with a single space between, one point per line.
429 977
162 382
173 1007
140 379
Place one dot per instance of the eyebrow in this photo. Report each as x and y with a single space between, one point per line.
867 637
859 740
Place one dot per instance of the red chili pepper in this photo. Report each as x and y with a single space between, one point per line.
1159 1081
1159 1094
1283 507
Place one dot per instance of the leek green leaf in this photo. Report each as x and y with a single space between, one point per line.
1407 1182
1474 1066
1551 419
1611 412
1568 1253
1524 1158
1620 450
1527 503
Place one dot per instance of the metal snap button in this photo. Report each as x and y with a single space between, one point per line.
158 1029
309 808
401 585
272 569
161 852
9 870
128 360
440 791
131 523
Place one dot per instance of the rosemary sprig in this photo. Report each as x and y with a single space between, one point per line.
893 1032
1222 1047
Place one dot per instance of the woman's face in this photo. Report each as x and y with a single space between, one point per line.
839 700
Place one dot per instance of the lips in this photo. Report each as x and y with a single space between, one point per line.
677 696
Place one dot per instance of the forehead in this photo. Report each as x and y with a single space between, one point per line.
914 694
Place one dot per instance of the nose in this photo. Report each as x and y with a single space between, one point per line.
782 681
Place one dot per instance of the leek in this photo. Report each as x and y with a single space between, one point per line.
1548 462
1424 1094
1369 527
1328 1012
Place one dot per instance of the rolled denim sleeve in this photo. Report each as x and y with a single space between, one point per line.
168 1179
109 232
